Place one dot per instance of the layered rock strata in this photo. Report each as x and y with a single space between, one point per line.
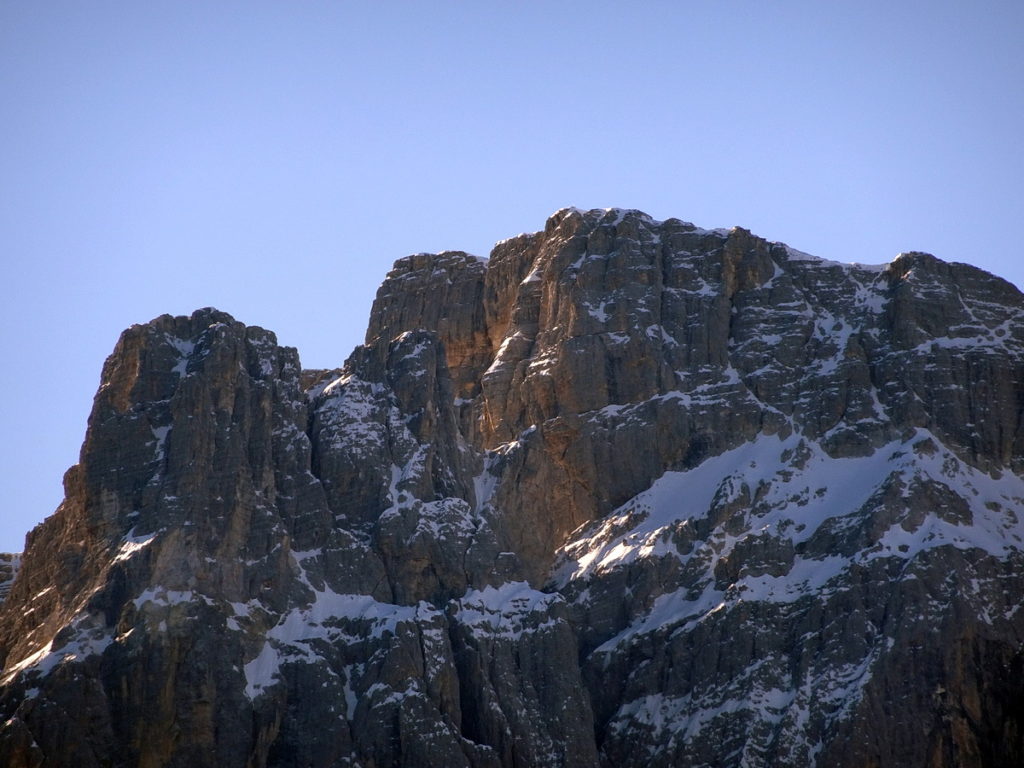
629 492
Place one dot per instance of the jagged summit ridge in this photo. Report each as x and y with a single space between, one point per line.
628 492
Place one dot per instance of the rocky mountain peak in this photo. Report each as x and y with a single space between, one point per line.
628 492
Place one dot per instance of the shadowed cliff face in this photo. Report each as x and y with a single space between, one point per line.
627 493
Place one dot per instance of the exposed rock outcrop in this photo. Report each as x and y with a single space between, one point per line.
9 565
627 493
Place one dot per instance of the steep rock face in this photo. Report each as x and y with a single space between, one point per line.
9 565
442 293
211 562
191 487
649 346
628 493
395 467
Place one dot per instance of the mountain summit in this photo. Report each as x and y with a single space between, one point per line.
627 493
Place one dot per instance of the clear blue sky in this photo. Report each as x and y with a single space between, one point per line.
273 159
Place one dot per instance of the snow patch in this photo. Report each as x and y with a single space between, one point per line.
185 348
131 545
507 611
88 637
330 617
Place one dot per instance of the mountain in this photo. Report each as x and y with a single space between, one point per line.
627 493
